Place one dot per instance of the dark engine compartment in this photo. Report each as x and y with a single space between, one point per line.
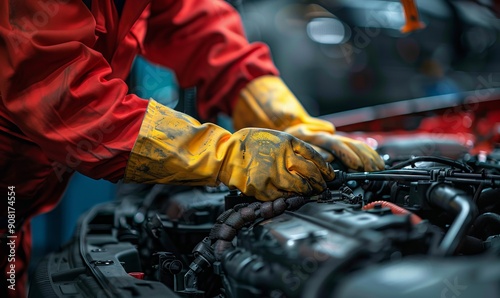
425 227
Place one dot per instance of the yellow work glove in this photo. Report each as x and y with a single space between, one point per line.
175 148
267 102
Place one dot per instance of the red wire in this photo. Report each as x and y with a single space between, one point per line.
395 209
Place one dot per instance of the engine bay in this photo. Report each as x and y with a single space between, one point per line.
425 226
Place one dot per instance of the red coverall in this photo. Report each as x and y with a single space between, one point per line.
64 104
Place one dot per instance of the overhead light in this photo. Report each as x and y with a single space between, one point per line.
328 31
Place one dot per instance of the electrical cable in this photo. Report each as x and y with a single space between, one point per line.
442 160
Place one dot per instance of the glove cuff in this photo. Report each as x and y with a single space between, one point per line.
173 147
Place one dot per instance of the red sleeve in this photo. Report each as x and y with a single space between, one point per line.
54 87
203 42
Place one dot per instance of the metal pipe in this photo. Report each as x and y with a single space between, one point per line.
457 202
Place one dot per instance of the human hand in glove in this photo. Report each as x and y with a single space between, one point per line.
267 102
175 148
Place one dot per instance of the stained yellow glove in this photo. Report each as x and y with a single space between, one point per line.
267 102
175 148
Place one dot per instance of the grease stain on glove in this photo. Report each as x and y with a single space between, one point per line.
270 164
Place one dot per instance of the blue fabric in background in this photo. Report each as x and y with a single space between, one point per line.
149 80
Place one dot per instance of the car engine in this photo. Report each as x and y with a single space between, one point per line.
427 226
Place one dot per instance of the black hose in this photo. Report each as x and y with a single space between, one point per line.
457 202
478 192
484 220
488 166
488 198
441 160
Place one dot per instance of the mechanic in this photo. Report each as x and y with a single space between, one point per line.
65 108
